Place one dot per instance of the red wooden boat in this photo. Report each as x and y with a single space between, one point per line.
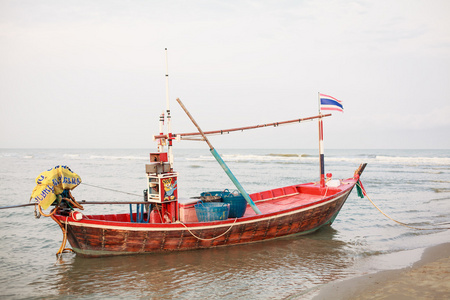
291 210
170 223
167 222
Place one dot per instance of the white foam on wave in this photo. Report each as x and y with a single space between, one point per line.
414 160
72 156
380 159
200 158
256 158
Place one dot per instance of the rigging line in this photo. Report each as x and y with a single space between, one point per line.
401 223
113 190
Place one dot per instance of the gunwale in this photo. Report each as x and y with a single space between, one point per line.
96 236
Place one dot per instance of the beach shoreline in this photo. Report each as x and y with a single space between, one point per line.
428 278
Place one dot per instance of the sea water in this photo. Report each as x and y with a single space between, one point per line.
410 186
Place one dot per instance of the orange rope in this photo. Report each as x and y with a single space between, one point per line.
74 203
62 249
52 212
398 222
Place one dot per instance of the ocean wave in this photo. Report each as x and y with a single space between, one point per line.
256 158
9 155
441 190
201 158
284 155
414 160
71 156
299 158
195 166
439 160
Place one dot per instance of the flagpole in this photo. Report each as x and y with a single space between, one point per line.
321 154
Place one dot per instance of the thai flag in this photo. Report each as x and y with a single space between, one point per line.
330 103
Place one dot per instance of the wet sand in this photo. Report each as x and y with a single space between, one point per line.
429 278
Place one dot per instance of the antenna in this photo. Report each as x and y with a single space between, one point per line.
169 121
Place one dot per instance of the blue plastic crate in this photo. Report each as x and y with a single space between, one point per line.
212 211
238 205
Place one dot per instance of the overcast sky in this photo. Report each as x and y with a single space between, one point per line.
90 74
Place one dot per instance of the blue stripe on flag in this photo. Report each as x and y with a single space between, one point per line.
327 101
330 103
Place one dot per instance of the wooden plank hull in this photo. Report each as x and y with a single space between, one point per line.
95 238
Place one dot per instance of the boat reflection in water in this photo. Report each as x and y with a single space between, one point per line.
253 270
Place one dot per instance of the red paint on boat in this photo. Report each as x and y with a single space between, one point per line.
297 209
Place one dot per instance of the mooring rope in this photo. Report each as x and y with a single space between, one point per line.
52 212
63 248
109 189
72 203
401 223
202 239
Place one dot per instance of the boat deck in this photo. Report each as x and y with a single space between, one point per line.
285 202
304 194
271 201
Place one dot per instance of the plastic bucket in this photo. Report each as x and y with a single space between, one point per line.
212 211
238 205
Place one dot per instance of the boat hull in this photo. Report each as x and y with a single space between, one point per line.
96 238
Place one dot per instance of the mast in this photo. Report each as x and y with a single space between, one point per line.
161 142
321 154
169 121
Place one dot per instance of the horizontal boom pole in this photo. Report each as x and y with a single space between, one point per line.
275 124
